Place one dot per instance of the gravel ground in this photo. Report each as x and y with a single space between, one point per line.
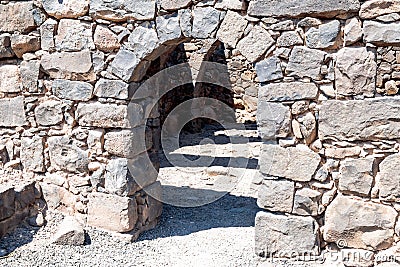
218 234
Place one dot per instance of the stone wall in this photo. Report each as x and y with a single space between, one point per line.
79 108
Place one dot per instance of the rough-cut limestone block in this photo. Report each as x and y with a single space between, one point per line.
359 224
66 8
121 10
174 4
72 90
10 79
352 31
289 38
276 195
18 16
111 212
57 197
168 28
381 33
12 112
325 36
32 158
112 88
370 119
143 40
105 40
305 62
273 120
237 5
49 113
22 44
280 92
255 44
269 69
109 115
125 143
284 235
30 71
69 65
118 179
295 163
296 8
67 157
355 72
74 35
375 8
306 202
205 22
388 179
47 32
231 29
356 176
185 20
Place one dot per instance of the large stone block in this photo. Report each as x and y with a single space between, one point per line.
126 143
17 16
355 72
109 115
269 69
306 202
12 112
356 176
118 179
112 88
111 212
325 36
69 65
128 66
105 40
381 34
168 28
276 195
49 113
388 180
32 157
22 44
143 40
30 71
370 119
72 90
280 92
231 29
67 157
66 8
74 35
273 120
121 10
359 224
205 22
10 79
285 236
255 44
174 4
7 203
294 163
305 62
295 8
376 8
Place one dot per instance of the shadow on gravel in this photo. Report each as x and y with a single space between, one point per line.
228 211
19 237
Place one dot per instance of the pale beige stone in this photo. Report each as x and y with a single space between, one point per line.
105 40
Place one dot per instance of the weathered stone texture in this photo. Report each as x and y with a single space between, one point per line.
22 44
12 112
295 8
74 35
276 195
325 36
10 79
72 90
356 176
371 119
111 88
32 154
231 29
49 113
294 163
306 202
355 72
280 92
126 143
381 33
352 31
17 16
255 44
375 8
273 120
30 71
5 46
284 235
269 69
66 8
305 62
121 10
168 28
121 212
388 182
105 40
360 224
174 5
205 22
47 32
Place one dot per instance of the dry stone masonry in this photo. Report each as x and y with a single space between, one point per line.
320 77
